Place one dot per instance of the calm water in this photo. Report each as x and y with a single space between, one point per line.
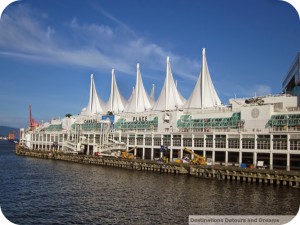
37 191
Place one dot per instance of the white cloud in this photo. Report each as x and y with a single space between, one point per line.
262 89
26 34
251 91
118 22
49 32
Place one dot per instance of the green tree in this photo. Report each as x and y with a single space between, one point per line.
68 115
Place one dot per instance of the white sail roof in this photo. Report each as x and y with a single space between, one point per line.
116 103
169 98
139 101
204 94
151 97
95 103
130 98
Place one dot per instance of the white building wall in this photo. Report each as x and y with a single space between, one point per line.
256 117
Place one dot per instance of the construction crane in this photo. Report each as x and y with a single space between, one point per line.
198 159
32 122
127 154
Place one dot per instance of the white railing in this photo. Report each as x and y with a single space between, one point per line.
285 129
293 109
70 145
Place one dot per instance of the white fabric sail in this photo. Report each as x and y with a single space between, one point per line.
204 94
151 97
116 103
130 98
95 103
139 101
169 98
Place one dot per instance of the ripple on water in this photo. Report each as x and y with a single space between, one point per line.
37 191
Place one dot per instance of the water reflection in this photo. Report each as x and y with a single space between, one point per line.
37 191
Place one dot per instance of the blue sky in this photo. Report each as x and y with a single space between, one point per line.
48 49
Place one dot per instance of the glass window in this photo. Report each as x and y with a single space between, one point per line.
199 142
139 141
148 141
157 141
131 141
233 143
248 143
295 144
263 144
187 142
280 144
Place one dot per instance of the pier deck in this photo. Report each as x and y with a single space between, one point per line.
231 173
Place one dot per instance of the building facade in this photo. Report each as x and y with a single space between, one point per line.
291 82
265 128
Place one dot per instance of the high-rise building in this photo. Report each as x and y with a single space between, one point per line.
291 82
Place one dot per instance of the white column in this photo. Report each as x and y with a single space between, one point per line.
271 160
171 148
43 142
88 145
240 157
241 142
288 159
120 135
226 157
181 153
152 153
161 155
240 152
254 158
161 143
193 143
94 143
192 155
288 142
152 144
40 146
226 143
143 156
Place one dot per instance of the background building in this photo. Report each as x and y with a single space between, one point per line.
291 82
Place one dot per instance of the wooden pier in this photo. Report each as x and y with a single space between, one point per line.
230 173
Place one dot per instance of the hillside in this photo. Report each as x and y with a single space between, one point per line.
4 131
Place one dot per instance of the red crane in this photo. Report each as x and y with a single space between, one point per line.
32 122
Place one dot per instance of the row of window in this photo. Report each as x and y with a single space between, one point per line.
48 137
219 143
61 137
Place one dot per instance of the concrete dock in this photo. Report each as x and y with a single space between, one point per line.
230 173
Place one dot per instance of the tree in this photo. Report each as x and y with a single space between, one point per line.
68 115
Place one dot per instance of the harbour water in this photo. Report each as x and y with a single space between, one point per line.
38 191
